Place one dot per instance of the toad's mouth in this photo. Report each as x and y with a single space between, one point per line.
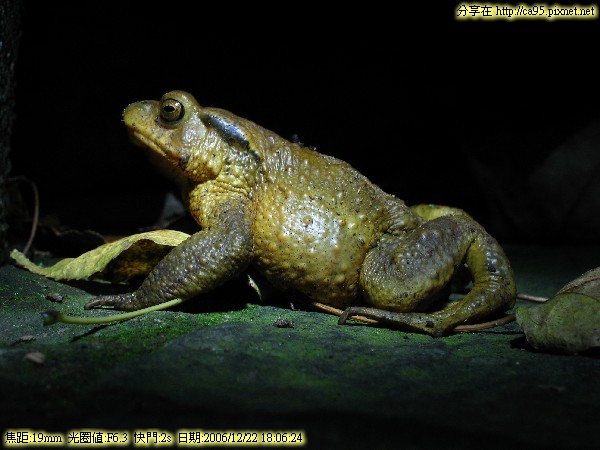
142 140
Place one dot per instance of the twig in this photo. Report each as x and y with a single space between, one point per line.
532 298
36 209
485 325
52 316
338 312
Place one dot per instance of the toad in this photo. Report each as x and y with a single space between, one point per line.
310 223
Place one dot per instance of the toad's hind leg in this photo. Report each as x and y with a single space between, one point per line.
402 275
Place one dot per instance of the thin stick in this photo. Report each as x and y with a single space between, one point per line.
36 210
485 325
53 316
531 298
338 312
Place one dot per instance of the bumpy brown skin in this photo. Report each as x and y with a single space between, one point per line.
308 222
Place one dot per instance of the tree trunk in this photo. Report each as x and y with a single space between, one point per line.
10 32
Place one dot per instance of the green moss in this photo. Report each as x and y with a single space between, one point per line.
221 361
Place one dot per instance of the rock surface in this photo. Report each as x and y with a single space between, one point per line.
226 362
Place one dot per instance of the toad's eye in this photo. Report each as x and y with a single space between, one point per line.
171 110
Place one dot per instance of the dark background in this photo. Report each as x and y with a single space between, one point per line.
432 110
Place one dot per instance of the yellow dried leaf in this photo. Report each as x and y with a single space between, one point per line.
116 261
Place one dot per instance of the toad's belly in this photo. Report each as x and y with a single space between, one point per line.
312 244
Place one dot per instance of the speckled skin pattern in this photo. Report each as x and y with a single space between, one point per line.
310 223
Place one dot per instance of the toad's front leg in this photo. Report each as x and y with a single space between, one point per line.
204 261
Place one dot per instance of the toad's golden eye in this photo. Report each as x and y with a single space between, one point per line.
171 110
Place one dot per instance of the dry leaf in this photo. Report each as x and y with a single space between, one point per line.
587 284
569 322
116 261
